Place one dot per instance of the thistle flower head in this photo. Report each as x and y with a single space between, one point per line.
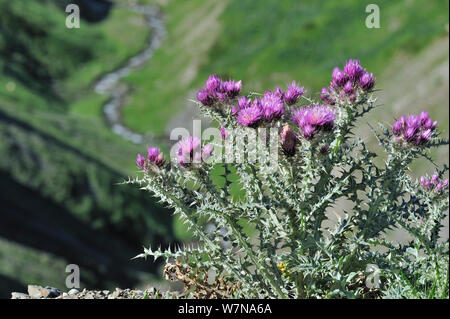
279 92
312 119
186 149
338 77
244 102
349 83
213 84
292 94
272 106
353 70
221 97
249 116
205 98
367 81
326 97
399 126
414 129
155 156
348 88
430 125
433 183
232 88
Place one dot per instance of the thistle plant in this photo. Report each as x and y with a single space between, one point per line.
295 251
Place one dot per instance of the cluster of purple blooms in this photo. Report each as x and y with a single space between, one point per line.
414 129
347 82
310 120
155 158
249 112
190 151
433 183
270 107
313 119
218 90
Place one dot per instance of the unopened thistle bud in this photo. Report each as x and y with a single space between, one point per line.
288 140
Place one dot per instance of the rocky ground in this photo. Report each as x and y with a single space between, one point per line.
38 292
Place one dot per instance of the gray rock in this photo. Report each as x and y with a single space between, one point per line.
19 295
35 291
51 292
73 292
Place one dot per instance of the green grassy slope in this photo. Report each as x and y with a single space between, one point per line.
59 158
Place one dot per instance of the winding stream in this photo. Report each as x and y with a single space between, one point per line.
110 83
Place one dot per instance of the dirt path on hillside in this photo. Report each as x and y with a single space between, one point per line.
109 84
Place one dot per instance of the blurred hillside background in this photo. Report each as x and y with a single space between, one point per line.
60 161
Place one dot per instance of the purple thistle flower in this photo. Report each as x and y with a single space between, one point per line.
429 124
433 183
348 88
414 129
413 122
326 97
314 118
279 92
438 187
434 179
293 93
272 106
249 116
155 156
213 84
232 88
152 153
243 102
339 77
425 137
353 70
186 149
222 97
427 184
140 162
367 81
308 131
205 98
288 140
397 128
424 116
423 180
409 134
